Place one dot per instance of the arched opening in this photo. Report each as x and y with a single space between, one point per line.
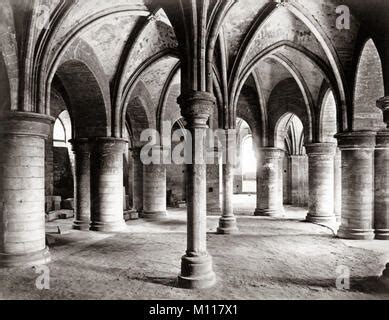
176 173
79 107
247 158
290 138
369 87
328 129
87 106
63 157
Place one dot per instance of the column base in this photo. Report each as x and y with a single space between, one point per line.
81 225
320 219
25 260
356 234
108 226
382 234
276 213
227 225
196 273
158 215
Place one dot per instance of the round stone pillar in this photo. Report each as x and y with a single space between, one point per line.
321 159
154 192
270 183
227 222
22 189
81 149
338 185
357 184
137 186
381 194
107 185
196 264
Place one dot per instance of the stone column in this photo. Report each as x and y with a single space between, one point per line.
107 185
238 177
270 183
130 179
196 264
338 185
381 194
81 149
137 190
297 180
154 192
321 157
213 184
22 189
357 184
227 222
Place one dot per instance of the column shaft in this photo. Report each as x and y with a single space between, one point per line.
107 185
154 191
81 149
196 265
138 180
338 185
270 183
381 194
213 184
22 189
321 157
227 222
357 185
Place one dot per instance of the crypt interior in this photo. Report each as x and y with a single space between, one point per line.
308 194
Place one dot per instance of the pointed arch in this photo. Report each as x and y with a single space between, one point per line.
369 87
87 105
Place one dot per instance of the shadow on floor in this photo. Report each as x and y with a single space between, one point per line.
165 281
168 222
368 285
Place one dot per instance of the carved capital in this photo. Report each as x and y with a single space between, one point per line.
321 149
26 124
196 107
355 140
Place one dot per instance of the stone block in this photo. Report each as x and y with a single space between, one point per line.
51 216
130 215
66 214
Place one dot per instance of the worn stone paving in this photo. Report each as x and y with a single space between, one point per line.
268 259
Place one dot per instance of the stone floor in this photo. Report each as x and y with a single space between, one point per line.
269 259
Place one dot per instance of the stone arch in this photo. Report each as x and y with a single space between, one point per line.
63 123
289 137
138 115
369 87
328 118
249 109
289 134
286 98
87 106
